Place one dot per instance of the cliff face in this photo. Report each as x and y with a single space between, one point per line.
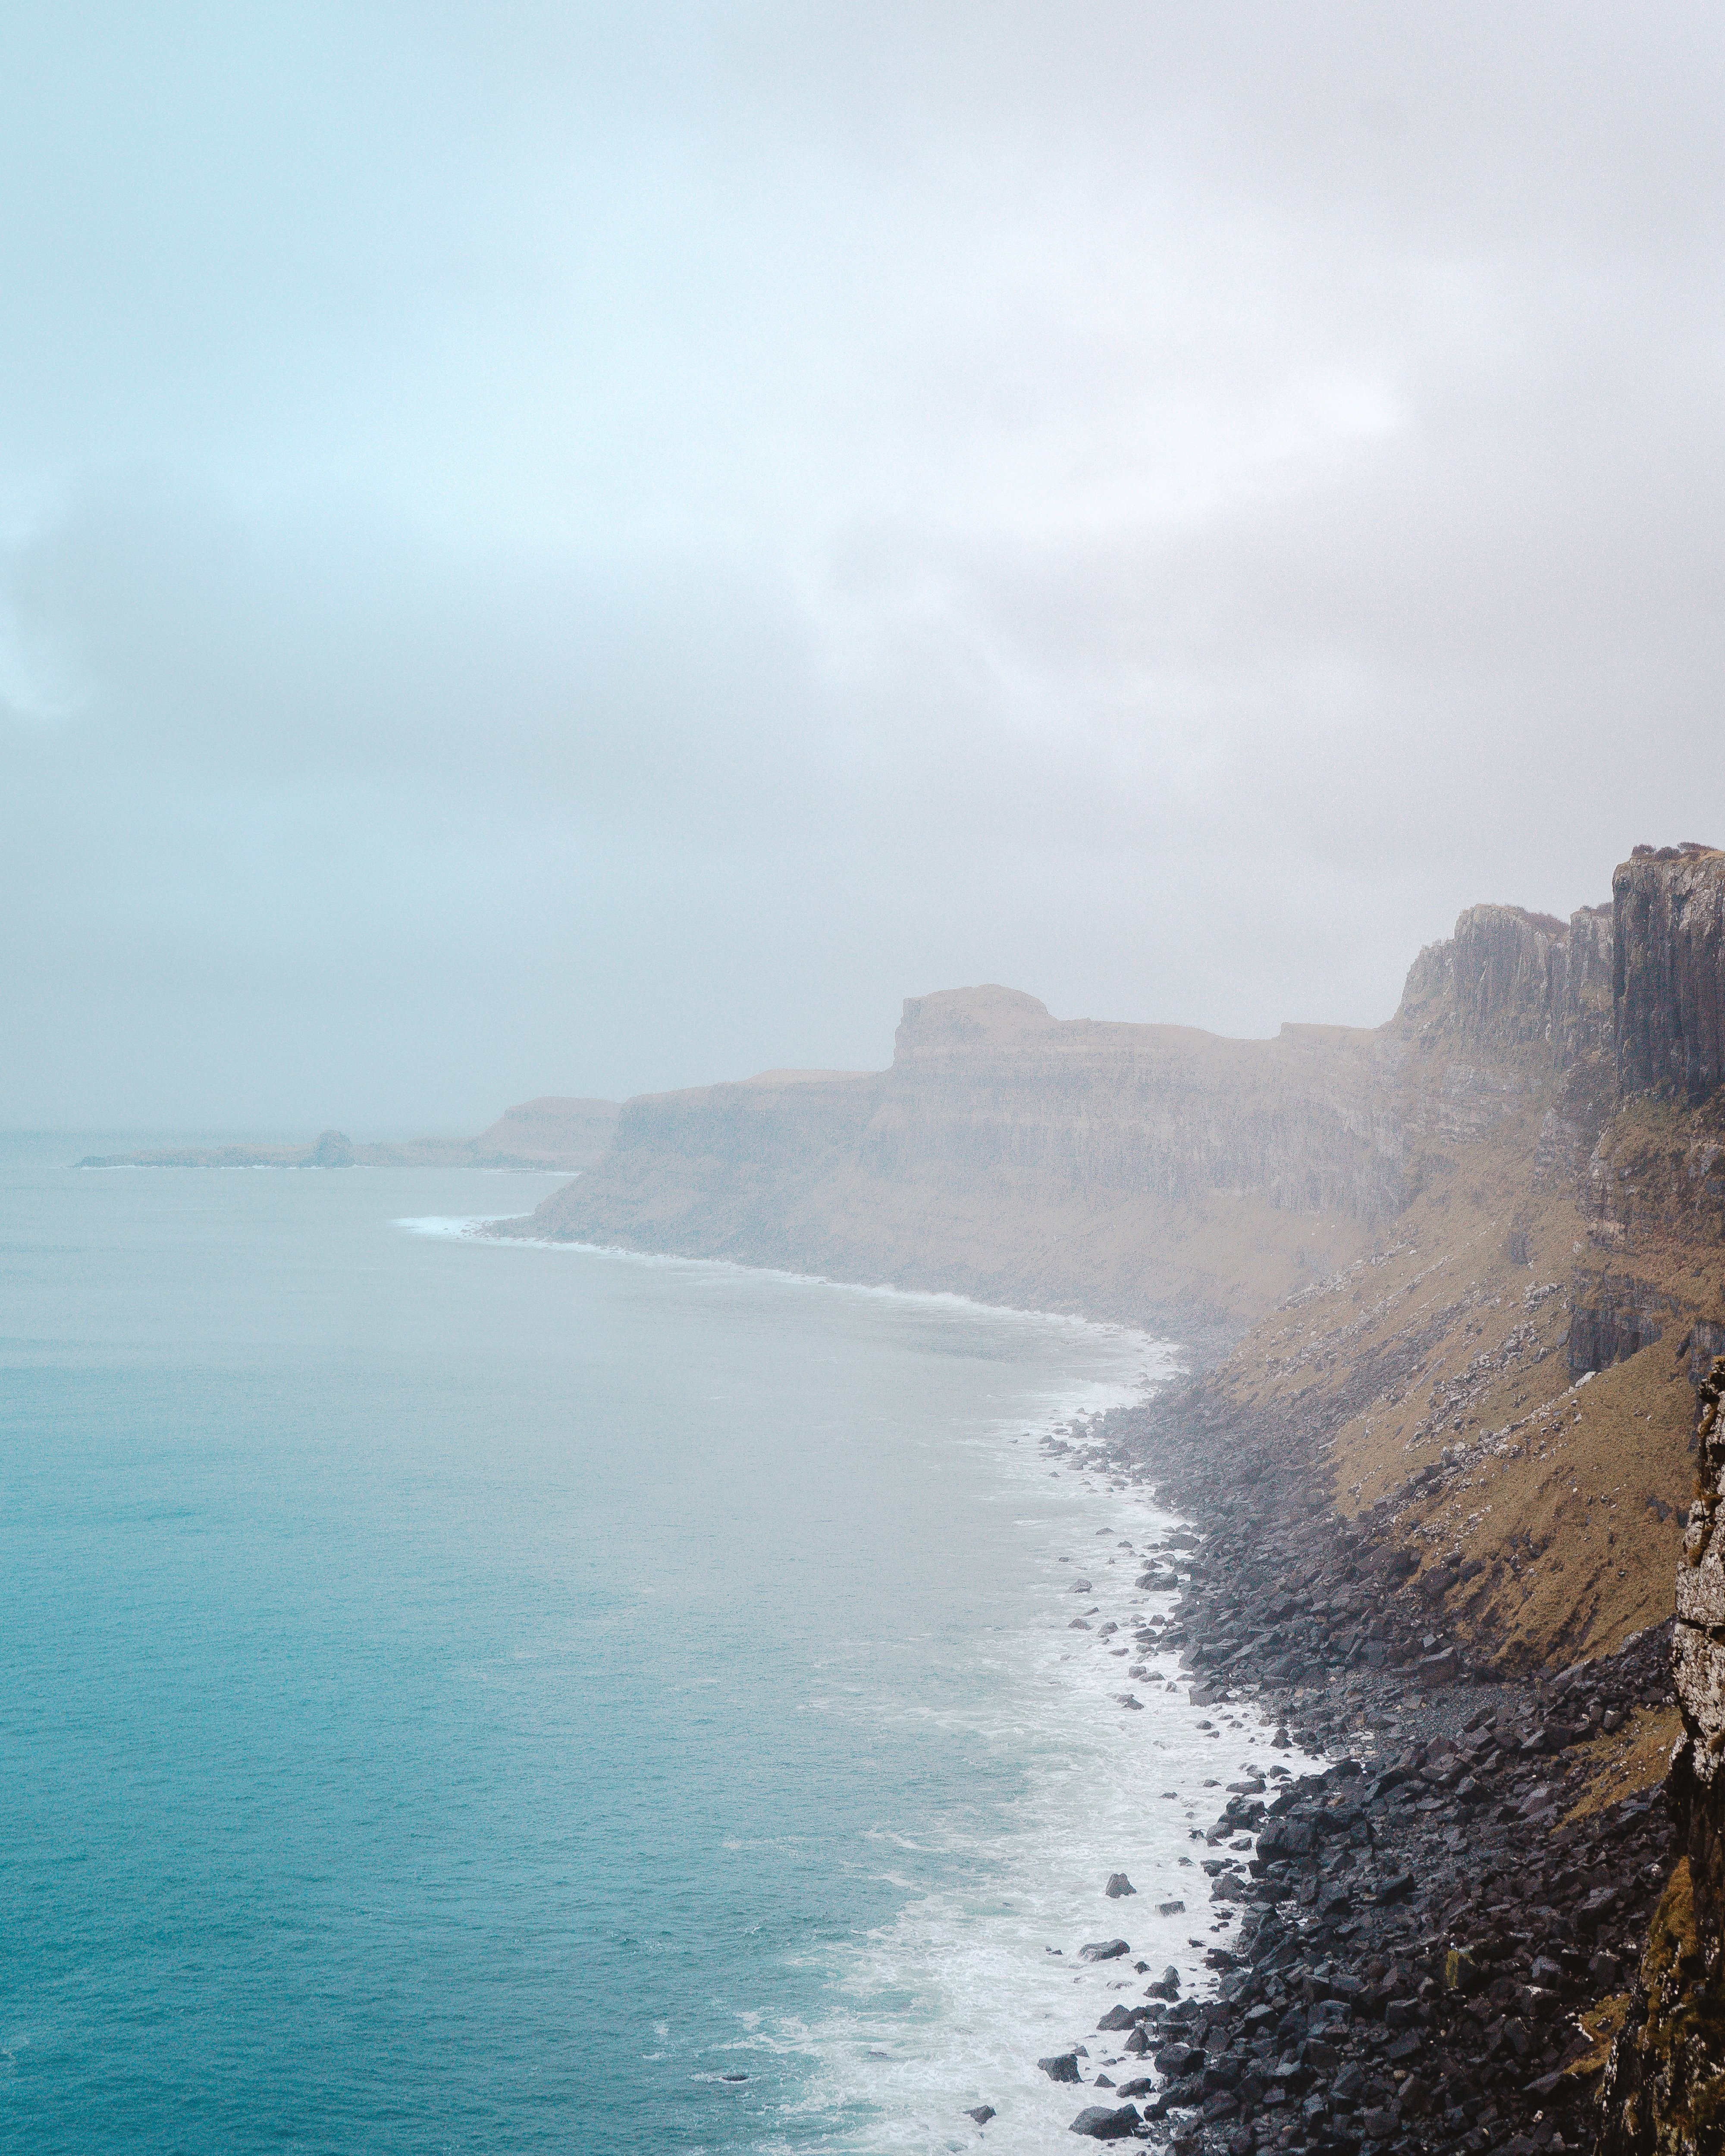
1656 1191
1127 1170
1153 1173
552 1131
1669 982
1510 982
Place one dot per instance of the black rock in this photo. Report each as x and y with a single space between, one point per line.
1102 2124
1118 1884
980 2112
1104 1950
1062 2067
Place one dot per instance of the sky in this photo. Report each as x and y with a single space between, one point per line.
566 549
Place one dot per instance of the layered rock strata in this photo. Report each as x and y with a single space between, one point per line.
1669 980
1156 1173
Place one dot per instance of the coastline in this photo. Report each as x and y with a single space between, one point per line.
1125 1804
1410 1944
1437 1932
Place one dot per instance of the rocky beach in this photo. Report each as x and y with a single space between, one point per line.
1424 1945
1452 1290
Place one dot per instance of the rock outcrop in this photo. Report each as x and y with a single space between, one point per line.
1513 984
1669 981
1124 1170
1152 1173
1665 2086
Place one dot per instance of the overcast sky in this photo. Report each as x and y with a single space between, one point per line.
566 549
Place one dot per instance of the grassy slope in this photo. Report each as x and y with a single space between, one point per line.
1433 1374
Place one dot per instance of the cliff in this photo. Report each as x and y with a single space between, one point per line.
1129 1171
1150 1172
1669 984
1472 1266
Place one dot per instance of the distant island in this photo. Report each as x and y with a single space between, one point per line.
551 1133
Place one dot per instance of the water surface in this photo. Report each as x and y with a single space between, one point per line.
470 1696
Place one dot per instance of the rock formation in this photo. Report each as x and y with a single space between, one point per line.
1669 983
1665 2086
1474 1254
1152 1173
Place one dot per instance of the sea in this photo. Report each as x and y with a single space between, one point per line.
469 1695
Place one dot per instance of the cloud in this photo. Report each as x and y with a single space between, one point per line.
602 548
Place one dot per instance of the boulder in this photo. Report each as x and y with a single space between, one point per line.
1118 1884
1062 2067
1104 1950
1102 2124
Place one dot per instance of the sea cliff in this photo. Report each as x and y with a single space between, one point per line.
1454 1285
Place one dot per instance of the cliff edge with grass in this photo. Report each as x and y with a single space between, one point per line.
1462 1276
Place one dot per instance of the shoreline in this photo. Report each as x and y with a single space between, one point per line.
1410 1935
1432 1939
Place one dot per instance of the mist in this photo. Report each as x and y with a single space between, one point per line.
583 550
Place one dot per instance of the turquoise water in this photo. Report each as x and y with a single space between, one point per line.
473 1696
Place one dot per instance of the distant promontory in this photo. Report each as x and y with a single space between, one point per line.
551 1133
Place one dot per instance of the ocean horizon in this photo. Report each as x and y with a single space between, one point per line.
466 1693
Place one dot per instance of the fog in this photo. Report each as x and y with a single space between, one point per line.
580 550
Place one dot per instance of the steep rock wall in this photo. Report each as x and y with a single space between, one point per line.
1514 984
1669 974
1127 1171
1136 1170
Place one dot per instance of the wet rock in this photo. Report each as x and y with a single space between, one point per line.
980 2112
1104 1950
1385 1916
1118 1884
1102 2124
1062 2067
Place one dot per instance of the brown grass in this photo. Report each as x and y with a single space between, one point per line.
1636 1758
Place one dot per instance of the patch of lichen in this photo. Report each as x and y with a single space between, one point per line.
1669 2072
1601 2025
